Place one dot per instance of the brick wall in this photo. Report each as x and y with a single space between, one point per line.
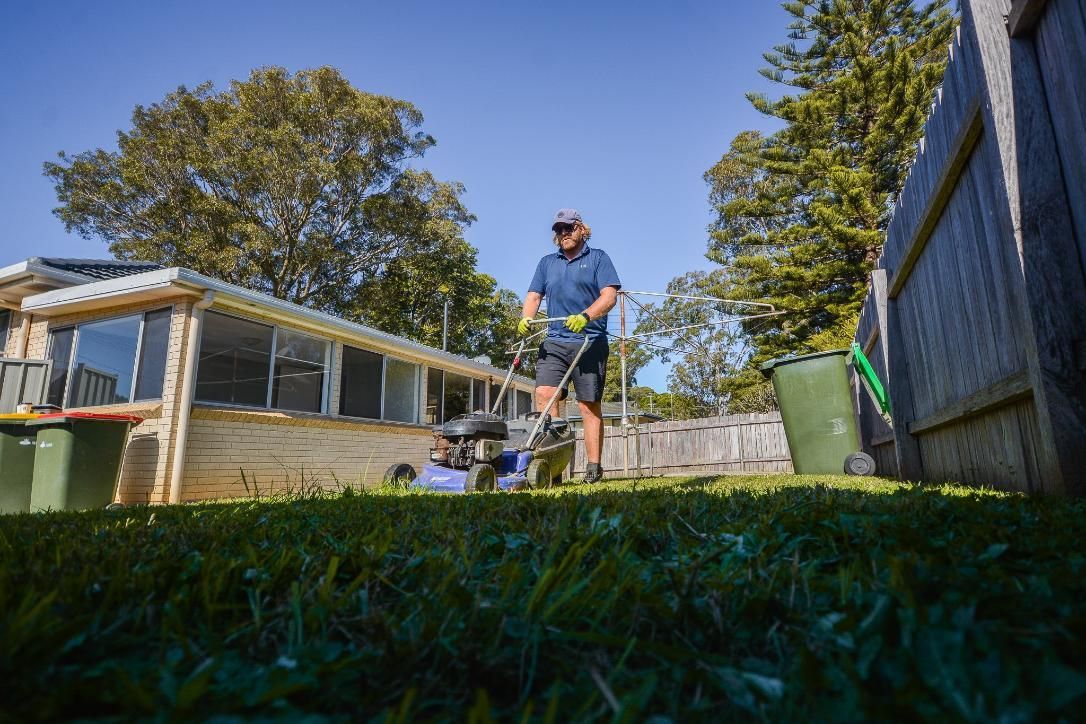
279 451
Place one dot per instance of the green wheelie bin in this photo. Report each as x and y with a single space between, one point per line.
815 398
78 460
16 462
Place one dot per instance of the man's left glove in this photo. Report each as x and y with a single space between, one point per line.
576 322
523 326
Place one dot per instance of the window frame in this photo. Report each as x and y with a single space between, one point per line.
329 358
135 361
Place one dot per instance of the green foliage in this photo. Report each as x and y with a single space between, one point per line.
637 356
802 213
407 298
299 186
763 597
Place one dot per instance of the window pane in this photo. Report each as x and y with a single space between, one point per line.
457 395
434 379
299 372
60 351
5 325
401 391
524 402
156 341
105 357
234 358
478 395
360 383
504 409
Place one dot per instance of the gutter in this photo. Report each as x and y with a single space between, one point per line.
188 391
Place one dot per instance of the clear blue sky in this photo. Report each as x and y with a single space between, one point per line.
615 108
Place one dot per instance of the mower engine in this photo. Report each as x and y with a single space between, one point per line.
469 439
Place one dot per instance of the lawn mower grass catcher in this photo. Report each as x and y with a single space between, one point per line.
481 452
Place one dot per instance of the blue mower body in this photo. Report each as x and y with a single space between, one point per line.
509 456
511 468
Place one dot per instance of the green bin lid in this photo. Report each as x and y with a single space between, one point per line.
768 367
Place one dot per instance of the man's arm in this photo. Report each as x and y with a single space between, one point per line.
603 304
532 301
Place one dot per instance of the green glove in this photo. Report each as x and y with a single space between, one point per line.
576 322
523 326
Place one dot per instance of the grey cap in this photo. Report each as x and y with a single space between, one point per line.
567 216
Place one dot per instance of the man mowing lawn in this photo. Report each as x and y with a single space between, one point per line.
580 283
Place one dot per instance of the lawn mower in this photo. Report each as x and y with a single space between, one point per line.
480 451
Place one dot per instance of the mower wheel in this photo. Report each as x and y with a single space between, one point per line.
539 474
400 475
481 478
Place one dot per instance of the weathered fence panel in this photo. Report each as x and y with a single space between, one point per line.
730 443
23 380
974 317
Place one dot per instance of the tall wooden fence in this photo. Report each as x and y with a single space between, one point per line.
976 316
731 443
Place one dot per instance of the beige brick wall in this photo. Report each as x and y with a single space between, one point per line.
280 452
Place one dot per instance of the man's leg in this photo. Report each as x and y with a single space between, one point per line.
543 395
592 416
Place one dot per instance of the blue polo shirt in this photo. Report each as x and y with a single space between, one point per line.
570 286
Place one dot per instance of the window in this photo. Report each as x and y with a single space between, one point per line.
434 382
524 402
457 397
401 390
152 366
360 383
449 394
379 387
110 361
235 360
5 327
60 351
298 380
503 410
238 366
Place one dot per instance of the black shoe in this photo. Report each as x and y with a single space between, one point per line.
592 474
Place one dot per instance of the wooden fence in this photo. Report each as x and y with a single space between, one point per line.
731 443
976 315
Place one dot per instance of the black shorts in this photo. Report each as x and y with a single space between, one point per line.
555 358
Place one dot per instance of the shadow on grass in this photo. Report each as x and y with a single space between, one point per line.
757 597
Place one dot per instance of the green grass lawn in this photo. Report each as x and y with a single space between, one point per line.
760 597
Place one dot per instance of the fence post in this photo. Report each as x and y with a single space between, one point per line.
899 387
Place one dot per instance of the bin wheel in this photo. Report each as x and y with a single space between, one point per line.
860 463
481 477
115 506
400 475
539 474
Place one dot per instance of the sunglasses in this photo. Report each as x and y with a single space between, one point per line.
563 229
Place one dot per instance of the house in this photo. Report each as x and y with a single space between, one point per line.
612 414
237 389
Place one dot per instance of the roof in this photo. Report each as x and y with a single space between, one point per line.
613 410
97 268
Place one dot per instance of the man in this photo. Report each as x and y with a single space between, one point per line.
581 285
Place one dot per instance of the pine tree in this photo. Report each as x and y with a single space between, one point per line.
802 213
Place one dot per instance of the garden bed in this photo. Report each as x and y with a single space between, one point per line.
762 597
